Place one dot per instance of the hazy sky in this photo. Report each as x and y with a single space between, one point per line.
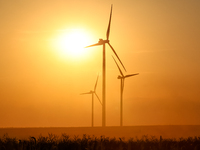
158 39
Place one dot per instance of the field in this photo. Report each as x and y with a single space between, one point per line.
170 131
98 138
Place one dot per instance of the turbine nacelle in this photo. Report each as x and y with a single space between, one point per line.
120 77
130 75
101 41
92 92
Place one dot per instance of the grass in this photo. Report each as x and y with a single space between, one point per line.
65 142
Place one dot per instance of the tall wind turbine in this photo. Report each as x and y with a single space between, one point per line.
93 93
103 42
122 78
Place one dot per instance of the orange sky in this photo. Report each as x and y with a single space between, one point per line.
158 39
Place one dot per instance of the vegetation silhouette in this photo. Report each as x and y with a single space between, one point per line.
53 142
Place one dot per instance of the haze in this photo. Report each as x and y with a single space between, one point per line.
157 39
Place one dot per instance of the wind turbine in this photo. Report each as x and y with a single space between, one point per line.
103 42
93 93
122 78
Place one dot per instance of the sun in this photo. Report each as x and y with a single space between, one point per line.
71 43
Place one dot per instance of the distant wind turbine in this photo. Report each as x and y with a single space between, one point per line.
93 92
103 42
122 78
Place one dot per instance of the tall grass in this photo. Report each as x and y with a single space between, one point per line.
86 142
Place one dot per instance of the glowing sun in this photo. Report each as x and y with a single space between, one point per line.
71 43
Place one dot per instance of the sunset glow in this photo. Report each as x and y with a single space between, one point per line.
71 43
45 67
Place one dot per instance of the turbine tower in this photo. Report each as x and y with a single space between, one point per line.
93 92
103 42
122 78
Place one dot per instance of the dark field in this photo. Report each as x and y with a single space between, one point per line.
98 138
171 131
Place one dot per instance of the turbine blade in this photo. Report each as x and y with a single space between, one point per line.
86 93
131 75
98 98
117 56
96 83
108 30
93 45
118 67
